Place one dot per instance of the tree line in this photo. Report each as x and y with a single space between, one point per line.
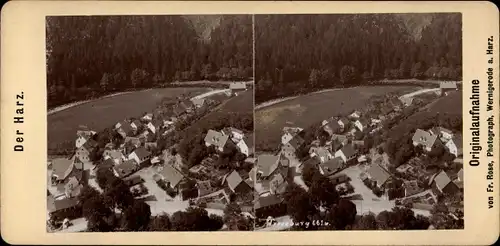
92 55
301 53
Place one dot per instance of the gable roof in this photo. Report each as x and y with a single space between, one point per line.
216 138
141 152
267 164
62 167
115 154
442 180
137 122
56 205
266 201
332 125
378 174
125 126
125 168
84 134
448 85
424 138
340 138
314 161
344 120
296 141
90 144
171 174
331 166
237 86
363 121
348 150
233 180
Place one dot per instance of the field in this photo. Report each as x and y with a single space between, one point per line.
242 103
102 113
312 108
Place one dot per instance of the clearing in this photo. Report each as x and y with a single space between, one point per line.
306 110
104 112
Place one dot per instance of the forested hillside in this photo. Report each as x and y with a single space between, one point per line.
300 53
88 56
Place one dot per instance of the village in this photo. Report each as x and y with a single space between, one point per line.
153 172
350 150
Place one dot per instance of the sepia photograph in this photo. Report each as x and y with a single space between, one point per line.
150 123
358 122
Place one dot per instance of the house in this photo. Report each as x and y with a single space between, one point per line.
411 188
313 161
73 187
204 188
171 175
321 152
378 174
124 129
151 127
61 206
136 124
289 133
83 153
331 167
235 134
332 127
454 146
198 102
140 155
126 168
358 143
217 139
116 156
343 123
443 183
444 134
82 137
236 87
459 181
271 205
407 101
347 153
355 115
237 184
424 138
361 124
243 148
249 143
267 164
275 183
447 86
147 117
63 169
460 174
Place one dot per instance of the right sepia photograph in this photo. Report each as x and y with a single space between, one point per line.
358 122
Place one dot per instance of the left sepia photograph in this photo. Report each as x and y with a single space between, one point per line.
150 123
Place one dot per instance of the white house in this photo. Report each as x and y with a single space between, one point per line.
424 138
116 156
235 134
355 115
243 148
444 134
217 139
82 137
151 127
140 155
148 117
347 153
343 123
286 137
361 124
454 145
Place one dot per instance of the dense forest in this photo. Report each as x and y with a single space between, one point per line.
88 56
301 53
